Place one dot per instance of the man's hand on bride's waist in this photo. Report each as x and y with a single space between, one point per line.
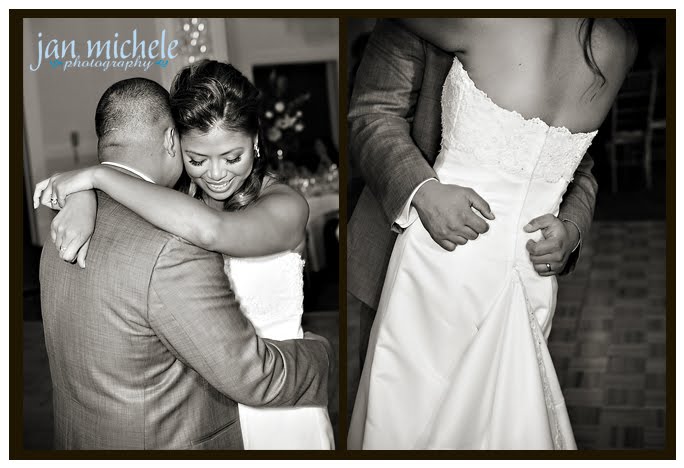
550 254
446 212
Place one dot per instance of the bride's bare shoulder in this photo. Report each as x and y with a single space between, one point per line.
459 34
614 45
282 199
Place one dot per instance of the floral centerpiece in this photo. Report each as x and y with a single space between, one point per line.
282 119
303 159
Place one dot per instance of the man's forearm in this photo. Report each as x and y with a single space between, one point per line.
392 166
312 360
381 112
580 198
578 206
203 326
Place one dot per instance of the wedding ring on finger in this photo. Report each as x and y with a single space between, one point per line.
53 200
548 267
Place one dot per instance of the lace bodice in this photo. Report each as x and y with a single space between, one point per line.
271 292
479 129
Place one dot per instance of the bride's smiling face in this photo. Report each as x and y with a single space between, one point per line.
219 162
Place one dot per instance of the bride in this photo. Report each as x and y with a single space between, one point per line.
457 357
236 208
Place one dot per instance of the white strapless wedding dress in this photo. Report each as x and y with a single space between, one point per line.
457 357
271 294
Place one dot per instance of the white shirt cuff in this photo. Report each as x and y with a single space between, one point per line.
409 214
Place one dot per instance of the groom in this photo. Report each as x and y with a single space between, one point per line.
147 346
395 131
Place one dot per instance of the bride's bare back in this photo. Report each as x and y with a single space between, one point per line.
536 66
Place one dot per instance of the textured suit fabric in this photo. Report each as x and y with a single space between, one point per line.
395 133
148 348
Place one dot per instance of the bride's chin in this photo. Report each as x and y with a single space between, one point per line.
214 202
220 196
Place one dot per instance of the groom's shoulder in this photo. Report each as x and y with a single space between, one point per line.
391 35
116 222
116 225
392 31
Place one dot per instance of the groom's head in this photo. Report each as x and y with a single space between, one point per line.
134 127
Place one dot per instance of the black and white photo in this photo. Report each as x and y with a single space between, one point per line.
186 292
475 149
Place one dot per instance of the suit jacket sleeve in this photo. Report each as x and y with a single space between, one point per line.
194 312
578 204
381 112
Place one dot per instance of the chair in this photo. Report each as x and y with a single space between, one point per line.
633 124
655 123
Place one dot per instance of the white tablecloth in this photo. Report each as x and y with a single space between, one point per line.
322 208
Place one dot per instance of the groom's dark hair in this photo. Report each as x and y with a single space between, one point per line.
134 104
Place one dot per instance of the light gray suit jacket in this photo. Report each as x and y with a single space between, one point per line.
148 348
395 132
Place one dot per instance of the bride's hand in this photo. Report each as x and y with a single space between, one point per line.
52 192
73 226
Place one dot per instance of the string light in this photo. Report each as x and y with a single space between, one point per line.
194 40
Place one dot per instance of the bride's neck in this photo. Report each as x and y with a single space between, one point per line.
211 203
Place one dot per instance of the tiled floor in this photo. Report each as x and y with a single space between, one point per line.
608 338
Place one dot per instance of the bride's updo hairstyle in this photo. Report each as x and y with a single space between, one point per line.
210 94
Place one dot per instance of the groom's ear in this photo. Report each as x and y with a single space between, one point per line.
171 142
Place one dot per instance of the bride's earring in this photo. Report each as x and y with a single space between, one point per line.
257 154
